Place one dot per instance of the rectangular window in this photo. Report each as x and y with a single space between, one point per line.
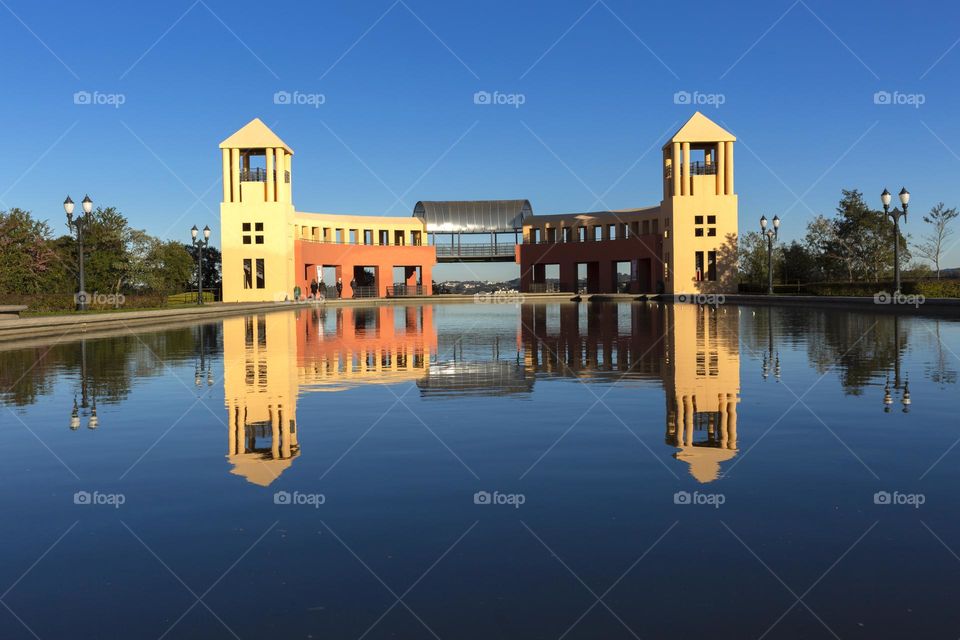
698 232
712 266
582 234
646 227
247 273
567 234
666 266
367 236
246 226
259 239
261 277
635 228
611 232
656 226
697 219
246 239
416 238
711 231
383 237
711 219
699 265
258 226
597 232
353 236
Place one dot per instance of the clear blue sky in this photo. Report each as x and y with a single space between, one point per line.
797 79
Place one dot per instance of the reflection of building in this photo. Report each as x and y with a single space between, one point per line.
702 382
691 349
269 359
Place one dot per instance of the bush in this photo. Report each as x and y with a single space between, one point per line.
928 288
64 302
939 288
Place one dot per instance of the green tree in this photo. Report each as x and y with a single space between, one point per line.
169 266
211 268
932 247
752 257
28 263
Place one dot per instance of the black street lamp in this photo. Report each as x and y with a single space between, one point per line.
200 245
771 236
78 227
885 198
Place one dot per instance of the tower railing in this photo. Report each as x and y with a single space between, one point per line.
698 168
260 175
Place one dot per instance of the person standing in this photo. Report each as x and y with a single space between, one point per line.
339 287
296 293
353 287
314 287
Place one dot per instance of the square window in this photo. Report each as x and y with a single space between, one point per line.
246 226
697 219
698 232
711 219
259 239
246 239
258 226
712 231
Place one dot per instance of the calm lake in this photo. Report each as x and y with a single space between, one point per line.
486 471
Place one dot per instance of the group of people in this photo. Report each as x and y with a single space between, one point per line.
318 290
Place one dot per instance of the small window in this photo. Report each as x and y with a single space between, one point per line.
711 231
697 219
712 266
247 273
259 239
698 232
261 275
246 239
258 226
711 219
246 226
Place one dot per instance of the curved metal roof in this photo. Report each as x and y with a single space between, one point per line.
473 216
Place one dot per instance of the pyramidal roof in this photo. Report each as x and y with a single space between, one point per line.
700 128
255 135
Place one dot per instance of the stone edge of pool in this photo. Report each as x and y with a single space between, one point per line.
63 324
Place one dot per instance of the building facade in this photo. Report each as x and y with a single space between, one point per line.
685 245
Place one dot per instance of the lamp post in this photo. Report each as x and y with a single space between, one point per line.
771 236
78 227
200 245
885 198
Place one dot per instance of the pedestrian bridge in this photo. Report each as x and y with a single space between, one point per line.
472 252
499 220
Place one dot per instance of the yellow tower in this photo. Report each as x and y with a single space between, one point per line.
699 207
256 215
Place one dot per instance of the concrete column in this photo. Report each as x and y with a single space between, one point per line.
271 187
687 182
721 168
732 420
281 182
728 174
688 421
235 175
226 174
288 166
675 168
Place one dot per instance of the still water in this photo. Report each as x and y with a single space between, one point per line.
486 471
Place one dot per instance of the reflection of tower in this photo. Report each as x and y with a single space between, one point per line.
702 383
260 388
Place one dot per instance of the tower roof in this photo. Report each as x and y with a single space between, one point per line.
700 128
255 135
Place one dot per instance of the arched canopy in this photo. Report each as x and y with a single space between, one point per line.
473 216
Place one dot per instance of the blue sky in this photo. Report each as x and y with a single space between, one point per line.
398 121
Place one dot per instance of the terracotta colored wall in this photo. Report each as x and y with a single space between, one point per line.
348 256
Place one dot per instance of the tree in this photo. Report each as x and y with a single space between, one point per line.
169 266
752 257
798 264
932 247
211 268
28 263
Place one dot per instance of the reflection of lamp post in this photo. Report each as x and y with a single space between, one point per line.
885 198
771 236
81 410
78 226
887 397
200 366
769 357
200 245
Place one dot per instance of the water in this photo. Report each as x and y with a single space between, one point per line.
485 471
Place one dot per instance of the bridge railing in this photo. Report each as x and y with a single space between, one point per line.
399 290
474 250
